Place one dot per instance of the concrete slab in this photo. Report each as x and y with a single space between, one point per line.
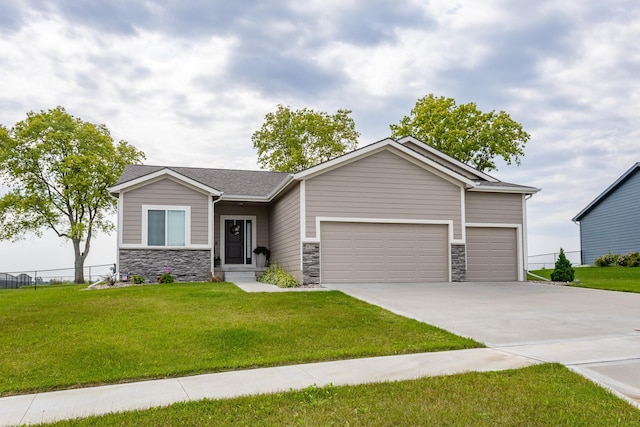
573 326
14 408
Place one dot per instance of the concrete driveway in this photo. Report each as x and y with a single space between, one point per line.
593 332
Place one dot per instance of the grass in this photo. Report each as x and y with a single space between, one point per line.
626 279
542 395
65 337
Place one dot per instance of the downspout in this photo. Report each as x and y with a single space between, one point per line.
213 231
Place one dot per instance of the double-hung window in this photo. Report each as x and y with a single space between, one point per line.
167 226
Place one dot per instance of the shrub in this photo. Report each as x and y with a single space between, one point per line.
275 275
166 277
137 279
606 260
563 272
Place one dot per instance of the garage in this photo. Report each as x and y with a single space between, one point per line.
380 252
492 254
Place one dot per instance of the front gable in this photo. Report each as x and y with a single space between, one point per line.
385 184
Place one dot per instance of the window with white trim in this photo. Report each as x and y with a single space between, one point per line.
166 227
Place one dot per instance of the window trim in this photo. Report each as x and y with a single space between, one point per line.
145 225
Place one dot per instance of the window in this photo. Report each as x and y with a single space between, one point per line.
166 226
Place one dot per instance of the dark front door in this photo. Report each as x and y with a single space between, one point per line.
234 241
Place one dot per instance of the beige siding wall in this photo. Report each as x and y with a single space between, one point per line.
230 209
382 185
284 231
164 192
497 208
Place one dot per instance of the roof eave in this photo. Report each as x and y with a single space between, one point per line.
496 189
116 189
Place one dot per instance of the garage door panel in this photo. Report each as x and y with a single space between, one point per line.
365 252
491 254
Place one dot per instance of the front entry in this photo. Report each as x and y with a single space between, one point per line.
238 241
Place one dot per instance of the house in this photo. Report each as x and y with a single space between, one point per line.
392 211
610 222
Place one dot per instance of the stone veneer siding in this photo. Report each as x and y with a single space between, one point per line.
458 263
186 265
311 263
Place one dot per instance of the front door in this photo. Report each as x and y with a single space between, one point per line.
234 241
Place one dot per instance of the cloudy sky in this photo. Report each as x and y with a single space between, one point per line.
189 81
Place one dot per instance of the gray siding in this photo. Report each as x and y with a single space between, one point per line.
497 208
164 192
382 185
613 224
232 208
284 231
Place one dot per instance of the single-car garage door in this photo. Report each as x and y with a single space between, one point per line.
375 252
492 254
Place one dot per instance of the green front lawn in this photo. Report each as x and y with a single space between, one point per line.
543 395
625 279
62 337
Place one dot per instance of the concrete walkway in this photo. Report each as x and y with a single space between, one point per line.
66 404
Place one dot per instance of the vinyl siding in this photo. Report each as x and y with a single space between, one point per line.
164 192
497 208
382 185
612 225
284 231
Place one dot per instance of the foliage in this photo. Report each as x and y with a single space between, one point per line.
262 250
142 332
540 395
137 279
167 276
276 275
563 272
631 259
58 169
464 132
292 140
611 279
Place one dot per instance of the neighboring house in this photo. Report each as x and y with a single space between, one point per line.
393 211
610 223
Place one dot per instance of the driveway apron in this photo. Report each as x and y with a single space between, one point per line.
593 332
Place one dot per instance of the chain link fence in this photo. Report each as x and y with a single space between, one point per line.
544 261
36 277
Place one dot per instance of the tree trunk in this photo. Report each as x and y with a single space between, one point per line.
79 262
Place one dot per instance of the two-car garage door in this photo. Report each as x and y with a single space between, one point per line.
380 252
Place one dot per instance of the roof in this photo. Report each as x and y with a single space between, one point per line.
613 187
262 185
230 182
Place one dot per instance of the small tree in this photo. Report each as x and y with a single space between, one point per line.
58 169
563 271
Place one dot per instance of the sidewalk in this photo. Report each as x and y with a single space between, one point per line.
66 404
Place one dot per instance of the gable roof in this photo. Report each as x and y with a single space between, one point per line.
473 179
230 182
613 187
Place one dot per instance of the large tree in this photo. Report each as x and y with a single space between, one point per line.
292 140
464 132
58 169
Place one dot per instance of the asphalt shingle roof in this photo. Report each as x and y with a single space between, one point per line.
231 182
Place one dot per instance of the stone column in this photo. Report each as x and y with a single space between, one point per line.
311 263
458 263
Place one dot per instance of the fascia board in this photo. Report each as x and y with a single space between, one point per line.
448 158
525 190
159 174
